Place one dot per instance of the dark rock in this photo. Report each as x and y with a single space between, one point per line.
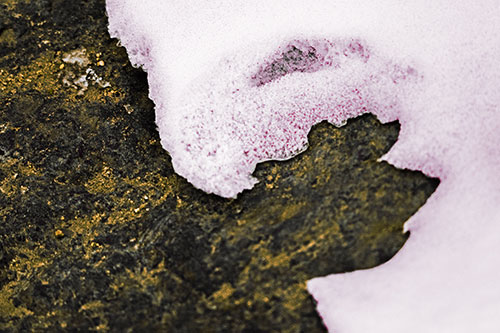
141 249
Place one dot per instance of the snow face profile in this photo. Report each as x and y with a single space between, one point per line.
239 82
231 120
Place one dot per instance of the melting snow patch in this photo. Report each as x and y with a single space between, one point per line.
239 82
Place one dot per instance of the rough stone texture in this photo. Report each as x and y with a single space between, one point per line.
98 233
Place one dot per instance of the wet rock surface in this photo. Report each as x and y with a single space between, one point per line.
97 232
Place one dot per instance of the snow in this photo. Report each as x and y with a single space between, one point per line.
227 96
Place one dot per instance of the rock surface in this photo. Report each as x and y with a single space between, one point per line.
98 233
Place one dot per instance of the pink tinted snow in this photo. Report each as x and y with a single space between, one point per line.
238 82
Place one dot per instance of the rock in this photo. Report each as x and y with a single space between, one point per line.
98 233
